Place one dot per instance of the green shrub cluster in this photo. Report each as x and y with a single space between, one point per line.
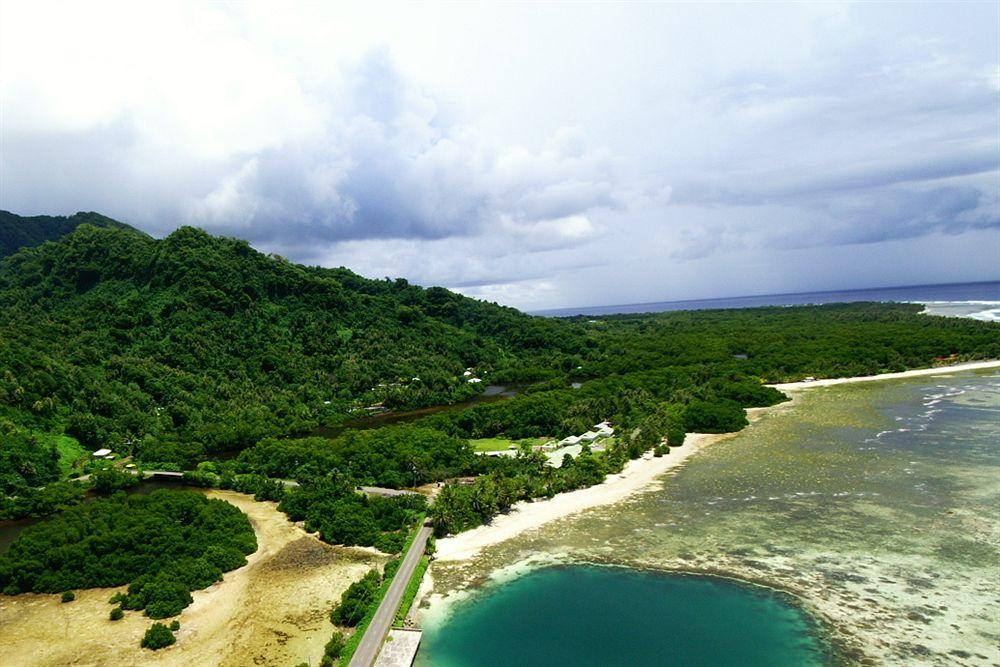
342 516
357 600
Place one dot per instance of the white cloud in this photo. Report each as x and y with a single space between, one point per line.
542 155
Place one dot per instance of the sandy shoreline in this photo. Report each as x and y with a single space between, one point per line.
970 366
636 476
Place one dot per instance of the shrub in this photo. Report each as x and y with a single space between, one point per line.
117 614
68 596
109 480
335 646
355 601
165 598
158 636
175 625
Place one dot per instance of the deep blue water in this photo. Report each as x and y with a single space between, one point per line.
957 292
586 616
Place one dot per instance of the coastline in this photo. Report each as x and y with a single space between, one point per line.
637 475
891 621
939 370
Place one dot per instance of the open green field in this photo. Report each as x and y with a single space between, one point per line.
500 444
69 450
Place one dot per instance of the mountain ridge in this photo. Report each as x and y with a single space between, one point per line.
18 231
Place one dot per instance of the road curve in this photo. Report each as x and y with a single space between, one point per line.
368 649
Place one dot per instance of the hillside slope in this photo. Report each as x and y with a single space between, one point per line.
195 342
17 231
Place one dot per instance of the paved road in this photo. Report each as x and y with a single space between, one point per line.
372 641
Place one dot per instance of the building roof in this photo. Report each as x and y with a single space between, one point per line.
102 452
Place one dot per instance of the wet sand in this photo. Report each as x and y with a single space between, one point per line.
272 611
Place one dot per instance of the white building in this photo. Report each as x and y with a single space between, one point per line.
571 440
475 380
101 453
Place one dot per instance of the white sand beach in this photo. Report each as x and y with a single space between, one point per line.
636 476
940 370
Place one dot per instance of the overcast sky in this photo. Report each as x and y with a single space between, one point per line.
539 155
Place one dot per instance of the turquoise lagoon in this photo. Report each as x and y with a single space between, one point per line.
596 616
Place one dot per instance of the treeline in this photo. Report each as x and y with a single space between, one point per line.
628 401
396 457
163 545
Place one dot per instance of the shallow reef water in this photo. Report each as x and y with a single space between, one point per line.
871 506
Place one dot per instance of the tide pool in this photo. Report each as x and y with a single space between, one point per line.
590 615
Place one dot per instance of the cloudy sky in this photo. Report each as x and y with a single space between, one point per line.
539 155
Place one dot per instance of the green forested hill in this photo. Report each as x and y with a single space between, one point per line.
18 231
198 342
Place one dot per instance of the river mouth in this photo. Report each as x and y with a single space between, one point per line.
589 614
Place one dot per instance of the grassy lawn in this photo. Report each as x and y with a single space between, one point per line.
499 444
491 444
69 450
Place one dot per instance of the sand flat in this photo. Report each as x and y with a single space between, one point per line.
271 611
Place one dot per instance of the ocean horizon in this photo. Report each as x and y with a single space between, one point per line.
986 294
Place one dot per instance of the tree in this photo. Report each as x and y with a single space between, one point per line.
158 636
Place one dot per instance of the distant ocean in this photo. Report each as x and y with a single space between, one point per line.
977 300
